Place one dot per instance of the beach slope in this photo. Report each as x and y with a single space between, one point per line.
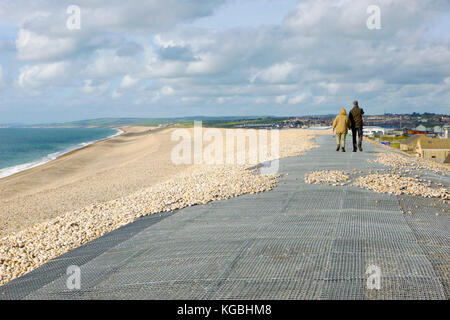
100 172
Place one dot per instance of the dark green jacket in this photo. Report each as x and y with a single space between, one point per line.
356 117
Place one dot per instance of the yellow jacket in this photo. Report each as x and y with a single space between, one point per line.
342 123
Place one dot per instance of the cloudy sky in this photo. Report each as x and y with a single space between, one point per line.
158 58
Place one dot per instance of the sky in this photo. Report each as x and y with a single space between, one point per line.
176 58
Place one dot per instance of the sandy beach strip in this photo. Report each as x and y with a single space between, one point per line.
81 196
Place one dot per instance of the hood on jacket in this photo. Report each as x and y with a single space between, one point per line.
343 112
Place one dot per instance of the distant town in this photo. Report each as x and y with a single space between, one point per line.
426 123
424 135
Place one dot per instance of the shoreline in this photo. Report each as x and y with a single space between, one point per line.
55 155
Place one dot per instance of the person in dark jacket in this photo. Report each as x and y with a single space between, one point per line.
356 121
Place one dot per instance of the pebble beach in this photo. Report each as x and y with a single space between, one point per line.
404 176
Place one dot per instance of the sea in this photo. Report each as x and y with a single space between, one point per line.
25 148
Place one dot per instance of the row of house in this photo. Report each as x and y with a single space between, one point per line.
438 130
374 131
428 148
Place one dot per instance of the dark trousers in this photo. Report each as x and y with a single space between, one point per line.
357 131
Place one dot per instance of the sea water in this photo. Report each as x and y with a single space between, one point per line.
24 148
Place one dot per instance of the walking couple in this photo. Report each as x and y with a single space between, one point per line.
354 122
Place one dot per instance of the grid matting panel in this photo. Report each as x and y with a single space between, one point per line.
401 266
368 217
181 248
432 233
407 288
351 229
267 290
351 289
167 271
186 290
91 273
368 201
413 288
293 259
316 230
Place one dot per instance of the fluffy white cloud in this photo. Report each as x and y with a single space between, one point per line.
108 64
167 91
35 47
298 99
371 85
331 87
261 100
275 74
43 74
320 99
347 18
280 99
110 15
128 82
90 87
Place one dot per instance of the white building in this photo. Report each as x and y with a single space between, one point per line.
373 131
445 131
437 129
421 128
320 128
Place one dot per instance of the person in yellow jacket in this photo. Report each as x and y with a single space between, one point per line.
341 124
